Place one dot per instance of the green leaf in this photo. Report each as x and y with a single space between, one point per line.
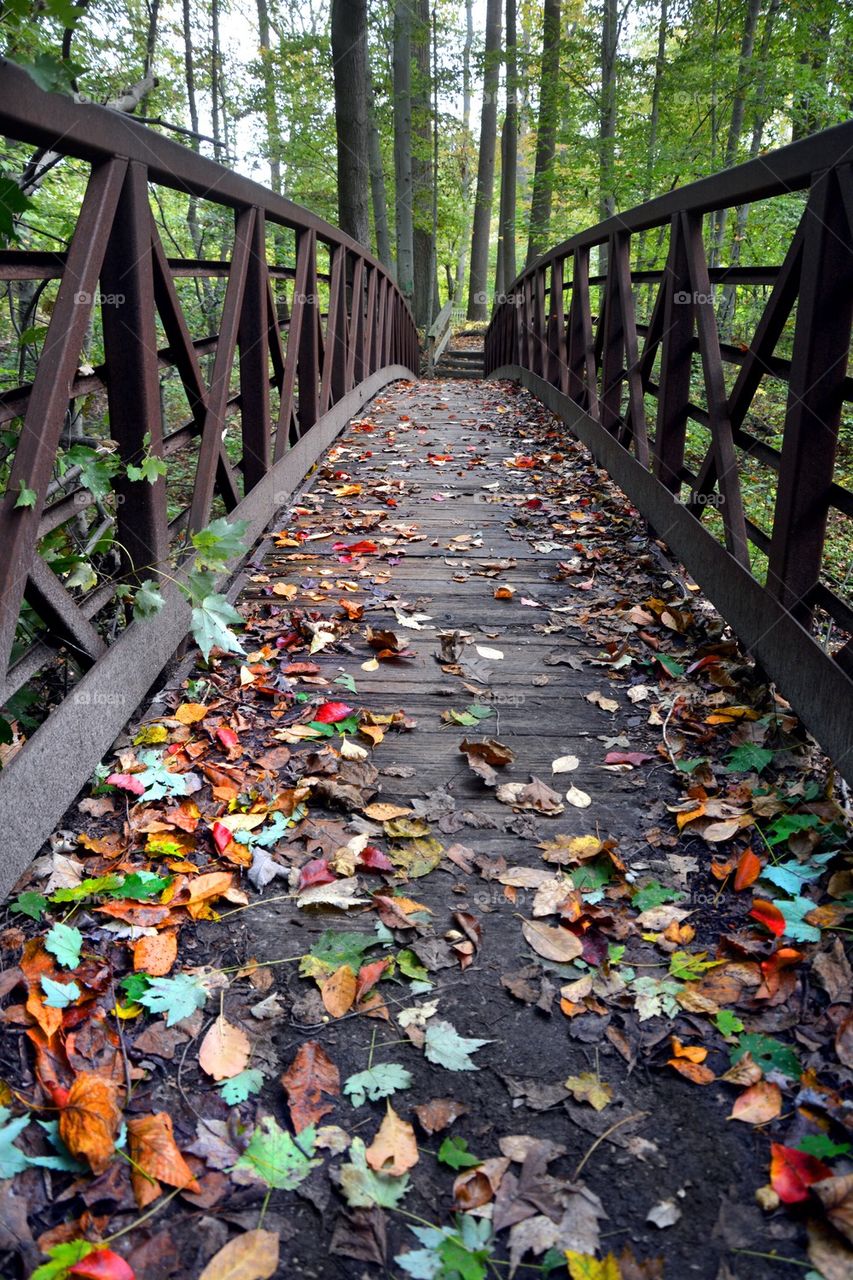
377 1082
241 1087
790 824
362 1188
822 1146
13 203
177 997
29 904
65 942
655 997
748 758
82 576
673 667
334 949
460 1252
454 1152
12 1159
157 780
150 468
795 910
347 681
211 626
654 894
444 1046
147 600
792 875
411 967
59 995
690 766
685 966
26 497
140 885
93 887
63 1256
134 985
54 75
728 1023
769 1054
275 1157
219 542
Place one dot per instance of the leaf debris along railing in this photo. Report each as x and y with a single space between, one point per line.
297 348
674 411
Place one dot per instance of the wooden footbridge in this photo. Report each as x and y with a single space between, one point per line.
630 360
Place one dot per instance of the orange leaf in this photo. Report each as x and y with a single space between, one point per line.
156 1157
224 1050
692 1052
311 1074
35 964
748 870
769 915
793 1172
90 1119
155 956
369 975
693 1071
191 712
758 1104
338 991
394 1150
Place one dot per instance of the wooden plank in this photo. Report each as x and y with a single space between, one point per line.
253 337
676 356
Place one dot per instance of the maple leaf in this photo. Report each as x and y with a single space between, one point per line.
12 1159
241 1087
587 1087
394 1150
65 942
585 1266
376 1082
444 1046
454 1152
275 1158
59 995
363 1189
177 997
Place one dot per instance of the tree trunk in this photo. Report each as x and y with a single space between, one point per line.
462 259
378 192
349 58
744 72
477 309
607 120
546 133
270 105
507 271
422 168
811 33
403 145
654 121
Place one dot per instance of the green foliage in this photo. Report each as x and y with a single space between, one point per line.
822 1146
728 1023
12 1159
26 497
278 1159
770 1054
454 1152
63 1256
444 1046
363 1189
460 1252
655 894
59 995
29 904
212 623
149 467
242 1086
748 758
65 942
177 997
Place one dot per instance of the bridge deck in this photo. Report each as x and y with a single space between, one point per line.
517 579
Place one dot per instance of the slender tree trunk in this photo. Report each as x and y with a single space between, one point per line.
654 121
506 272
462 259
477 284
270 104
607 121
744 72
812 32
403 145
349 61
546 133
422 167
377 183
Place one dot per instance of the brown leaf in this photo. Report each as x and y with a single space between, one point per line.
552 943
90 1119
338 991
534 794
311 1074
155 956
224 1050
758 1104
36 964
394 1150
439 1113
836 1196
156 1158
251 1256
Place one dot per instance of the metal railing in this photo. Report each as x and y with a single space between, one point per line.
677 414
297 351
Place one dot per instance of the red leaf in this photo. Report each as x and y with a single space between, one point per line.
793 1172
769 915
229 741
627 757
332 712
221 836
356 548
317 871
373 859
103 1264
748 870
369 975
127 782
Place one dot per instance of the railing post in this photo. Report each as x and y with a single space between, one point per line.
676 357
308 358
815 393
133 381
254 361
582 369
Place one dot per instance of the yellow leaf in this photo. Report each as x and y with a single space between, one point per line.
585 1266
338 991
394 1150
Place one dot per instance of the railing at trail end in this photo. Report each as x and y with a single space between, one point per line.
739 452
299 326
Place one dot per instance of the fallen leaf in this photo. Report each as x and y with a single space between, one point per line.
156 1158
793 1172
338 991
311 1075
156 955
250 1256
552 943
758 1104
588 1087
394 1150
439 1113
89 1120
224 1050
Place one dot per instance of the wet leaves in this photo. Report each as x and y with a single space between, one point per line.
156 1158
310 1080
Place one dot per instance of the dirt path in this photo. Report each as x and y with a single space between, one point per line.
456 570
